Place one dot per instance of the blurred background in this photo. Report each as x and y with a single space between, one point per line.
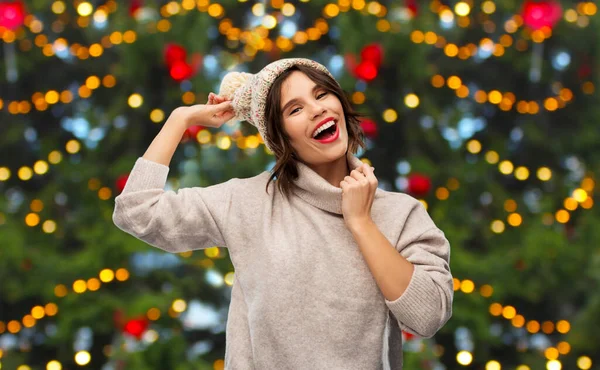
486 111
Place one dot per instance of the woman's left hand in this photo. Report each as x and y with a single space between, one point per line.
358 193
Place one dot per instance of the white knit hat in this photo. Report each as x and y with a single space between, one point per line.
248 92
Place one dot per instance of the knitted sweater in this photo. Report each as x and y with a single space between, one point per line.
303 297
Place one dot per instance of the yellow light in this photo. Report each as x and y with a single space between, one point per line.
467 286
571 15
461 8
40 167
122 274
53 365
584 362
509 312
486 290
223 142
60 290
288 9
172 8
13 326
548 328
522 173
495 97
446 16
107 275
4 173
25 173
258 9
38 312
417 37
79 286
23 367
562 216
518 321
58 7
179 305
544 173
580 195
358 97
28 321
129 36
93 284
92 82
442 193
515 219
32 219
212 252
204 137
153 314
229 278
563 326
51 309
49 226
564 348
523 367
554 365
269 22
82 358
497 226
390 115
411 100
492 157
72 146
488 7
492 365
506 167
454 82
109 81
464 358
570 204
331 11
84 9
51 97
135 100
157 115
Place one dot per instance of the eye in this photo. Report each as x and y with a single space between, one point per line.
321 95
294 111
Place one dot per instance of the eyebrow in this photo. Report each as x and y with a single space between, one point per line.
295 100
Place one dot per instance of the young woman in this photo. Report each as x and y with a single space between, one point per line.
328 267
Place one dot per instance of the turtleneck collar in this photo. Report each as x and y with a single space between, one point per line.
315 190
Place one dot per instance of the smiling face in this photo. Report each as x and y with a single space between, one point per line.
306 106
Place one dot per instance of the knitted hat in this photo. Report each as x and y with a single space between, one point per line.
248 92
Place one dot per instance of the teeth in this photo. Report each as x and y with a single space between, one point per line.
323 128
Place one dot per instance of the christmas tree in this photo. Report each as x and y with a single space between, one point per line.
486 111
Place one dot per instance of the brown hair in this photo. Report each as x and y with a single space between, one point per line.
285 169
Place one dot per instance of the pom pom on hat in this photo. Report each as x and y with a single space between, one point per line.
248 92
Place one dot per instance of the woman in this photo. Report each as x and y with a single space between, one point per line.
328 268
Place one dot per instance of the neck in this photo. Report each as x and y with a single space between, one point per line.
333 172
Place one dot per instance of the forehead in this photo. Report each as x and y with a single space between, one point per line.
296 85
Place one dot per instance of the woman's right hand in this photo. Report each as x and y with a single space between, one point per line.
215 113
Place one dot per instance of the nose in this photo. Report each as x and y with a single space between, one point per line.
317 110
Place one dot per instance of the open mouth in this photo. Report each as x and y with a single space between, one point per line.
327 134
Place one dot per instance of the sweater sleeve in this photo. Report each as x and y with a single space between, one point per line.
426 304
174 221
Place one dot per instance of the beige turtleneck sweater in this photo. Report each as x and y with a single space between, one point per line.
303 296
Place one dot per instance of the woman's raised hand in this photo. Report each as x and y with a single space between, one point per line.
214 113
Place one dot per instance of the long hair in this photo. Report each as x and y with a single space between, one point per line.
286 165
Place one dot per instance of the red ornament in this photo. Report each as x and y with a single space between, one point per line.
541 14
366 70
12 14
174 53
191 133
413 6
121 181
372 53
369 128
407 336
136 327
181 71
134 5
419 185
